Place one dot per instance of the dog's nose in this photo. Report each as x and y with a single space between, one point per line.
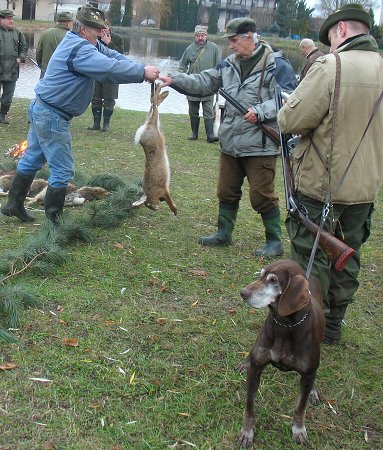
244 293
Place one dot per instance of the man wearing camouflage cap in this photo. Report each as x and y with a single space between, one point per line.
65 92
339 160
246 152
51 38
199 56
13 51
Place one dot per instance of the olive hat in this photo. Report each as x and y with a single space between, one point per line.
351 11
91 17
6 13
64 16
240 25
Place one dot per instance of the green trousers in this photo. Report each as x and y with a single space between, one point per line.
351 223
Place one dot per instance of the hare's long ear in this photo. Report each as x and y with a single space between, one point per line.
295 297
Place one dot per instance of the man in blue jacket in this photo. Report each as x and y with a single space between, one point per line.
65 92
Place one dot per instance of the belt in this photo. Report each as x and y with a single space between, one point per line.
58 111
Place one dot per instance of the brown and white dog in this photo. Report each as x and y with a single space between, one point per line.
289 338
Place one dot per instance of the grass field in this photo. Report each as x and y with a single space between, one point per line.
160 325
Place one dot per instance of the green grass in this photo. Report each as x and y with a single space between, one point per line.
186 331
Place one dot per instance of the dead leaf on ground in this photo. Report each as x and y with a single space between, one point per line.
71 342
198 273
119 246
161 320
184 414
60 308
8 366
153 338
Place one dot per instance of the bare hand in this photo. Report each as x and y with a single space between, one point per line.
105 36
251 116
166 81
151 73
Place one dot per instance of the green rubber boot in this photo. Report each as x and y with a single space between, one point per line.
96 119
273 246
194 123
333 328
226 220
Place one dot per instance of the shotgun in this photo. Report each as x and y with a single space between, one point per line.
337 251
267 129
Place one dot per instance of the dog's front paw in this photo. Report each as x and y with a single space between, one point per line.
315 397
243 365
245 438
300 435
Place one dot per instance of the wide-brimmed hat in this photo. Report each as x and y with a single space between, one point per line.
351 11
91 17
6 13
64 16
240 25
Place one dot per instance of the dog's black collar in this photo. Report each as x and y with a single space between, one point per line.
293 324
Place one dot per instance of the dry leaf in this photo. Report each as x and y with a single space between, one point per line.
184 414
119 246
195 303
153 338
8 366
71 342
40 380
198 273
110 322
161 320
60 308
132 378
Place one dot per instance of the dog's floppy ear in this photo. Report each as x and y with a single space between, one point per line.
295 297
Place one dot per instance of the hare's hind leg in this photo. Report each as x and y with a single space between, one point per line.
139 202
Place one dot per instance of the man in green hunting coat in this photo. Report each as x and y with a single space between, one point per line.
51 38
105 94
13 51
339 160
199 56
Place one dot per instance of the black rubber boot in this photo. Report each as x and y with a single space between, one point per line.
3 113
96 119
227 216
209 128
107 115
16 197
54 203
333 327
194 122
273 246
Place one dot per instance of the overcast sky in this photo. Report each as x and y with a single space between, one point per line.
312 4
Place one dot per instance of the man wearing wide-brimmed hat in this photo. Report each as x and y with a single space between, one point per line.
198 56
13 51
65 92
51 38
338 110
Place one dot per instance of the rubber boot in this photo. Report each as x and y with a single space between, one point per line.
227 216
16 197
209 128
3 113
273 246
333 327
194 122
54 203
107 115
96 119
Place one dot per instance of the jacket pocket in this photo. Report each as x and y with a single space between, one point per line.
293 100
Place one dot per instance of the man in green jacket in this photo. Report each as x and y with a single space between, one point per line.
338 165
199 56
13 50
51 38
105 94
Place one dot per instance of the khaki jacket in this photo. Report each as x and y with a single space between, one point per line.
308 112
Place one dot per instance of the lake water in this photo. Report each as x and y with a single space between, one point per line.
155 50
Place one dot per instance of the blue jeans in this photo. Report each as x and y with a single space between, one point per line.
49 141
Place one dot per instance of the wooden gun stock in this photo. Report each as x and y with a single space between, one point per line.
337 251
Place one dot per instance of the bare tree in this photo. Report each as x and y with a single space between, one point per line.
327 7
